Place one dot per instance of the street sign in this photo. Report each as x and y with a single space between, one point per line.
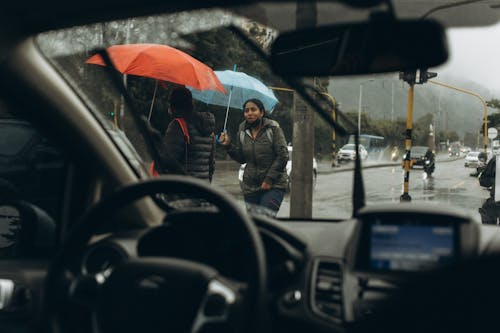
492 133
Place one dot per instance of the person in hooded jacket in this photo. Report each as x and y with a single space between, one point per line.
189 138
261 144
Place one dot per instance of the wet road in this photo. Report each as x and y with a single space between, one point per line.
451 184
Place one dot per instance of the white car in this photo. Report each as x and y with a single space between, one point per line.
472 159
288 167
348 153
496 150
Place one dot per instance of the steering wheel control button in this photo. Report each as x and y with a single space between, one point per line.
292 298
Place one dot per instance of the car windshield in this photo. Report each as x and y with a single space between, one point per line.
376 104
419 150
349 147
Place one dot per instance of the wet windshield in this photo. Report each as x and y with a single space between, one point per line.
377 106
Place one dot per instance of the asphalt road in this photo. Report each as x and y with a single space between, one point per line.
451 184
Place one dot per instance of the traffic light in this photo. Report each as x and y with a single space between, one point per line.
111 114
419 76
425 75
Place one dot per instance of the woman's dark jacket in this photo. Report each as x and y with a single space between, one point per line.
265 157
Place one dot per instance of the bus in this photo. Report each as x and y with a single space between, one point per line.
372 143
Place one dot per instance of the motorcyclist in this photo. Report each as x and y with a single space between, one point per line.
429 165
395 153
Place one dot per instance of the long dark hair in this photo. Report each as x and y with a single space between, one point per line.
259 104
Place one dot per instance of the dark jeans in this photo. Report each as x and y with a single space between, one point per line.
270 199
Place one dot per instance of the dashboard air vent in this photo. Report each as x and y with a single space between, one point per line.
327 290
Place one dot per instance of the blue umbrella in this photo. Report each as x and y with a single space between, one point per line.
240 87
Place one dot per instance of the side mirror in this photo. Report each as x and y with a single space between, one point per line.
381 45
25 231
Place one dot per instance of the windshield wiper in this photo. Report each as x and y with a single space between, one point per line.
446 6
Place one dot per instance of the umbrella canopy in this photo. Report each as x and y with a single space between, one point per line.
240 87
161 62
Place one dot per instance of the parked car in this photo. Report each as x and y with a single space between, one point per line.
241 170
348 153
472 159
496 150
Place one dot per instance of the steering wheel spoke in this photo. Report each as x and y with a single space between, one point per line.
217 305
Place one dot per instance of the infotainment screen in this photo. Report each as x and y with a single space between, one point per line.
401 247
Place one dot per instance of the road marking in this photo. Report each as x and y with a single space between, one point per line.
458 184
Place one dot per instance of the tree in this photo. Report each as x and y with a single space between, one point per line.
493 119
493 103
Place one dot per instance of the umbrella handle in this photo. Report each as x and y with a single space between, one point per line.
217 137
227 109
153 101
228 103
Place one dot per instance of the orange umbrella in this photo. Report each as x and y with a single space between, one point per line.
161 62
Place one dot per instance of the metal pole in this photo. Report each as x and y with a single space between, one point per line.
485 109
153 100
303 134
359 106
334 137
334 134
407 160
483 101
392 102
227 109
228 103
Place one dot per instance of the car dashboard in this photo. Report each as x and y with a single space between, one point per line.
321 275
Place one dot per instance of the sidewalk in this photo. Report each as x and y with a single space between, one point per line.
226 165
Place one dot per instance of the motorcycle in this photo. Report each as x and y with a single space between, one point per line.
429 166
394 154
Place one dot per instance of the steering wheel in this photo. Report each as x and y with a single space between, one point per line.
160 294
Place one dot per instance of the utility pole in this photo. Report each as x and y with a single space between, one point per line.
360 106
303 135
419 76
334 135
392 102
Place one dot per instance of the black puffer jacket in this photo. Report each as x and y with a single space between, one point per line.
200 151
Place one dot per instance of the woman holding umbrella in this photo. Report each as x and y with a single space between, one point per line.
261 144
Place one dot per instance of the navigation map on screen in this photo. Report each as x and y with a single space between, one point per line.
410 247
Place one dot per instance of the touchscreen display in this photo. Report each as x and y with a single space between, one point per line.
410 247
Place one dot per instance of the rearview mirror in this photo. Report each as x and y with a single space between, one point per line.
360 48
